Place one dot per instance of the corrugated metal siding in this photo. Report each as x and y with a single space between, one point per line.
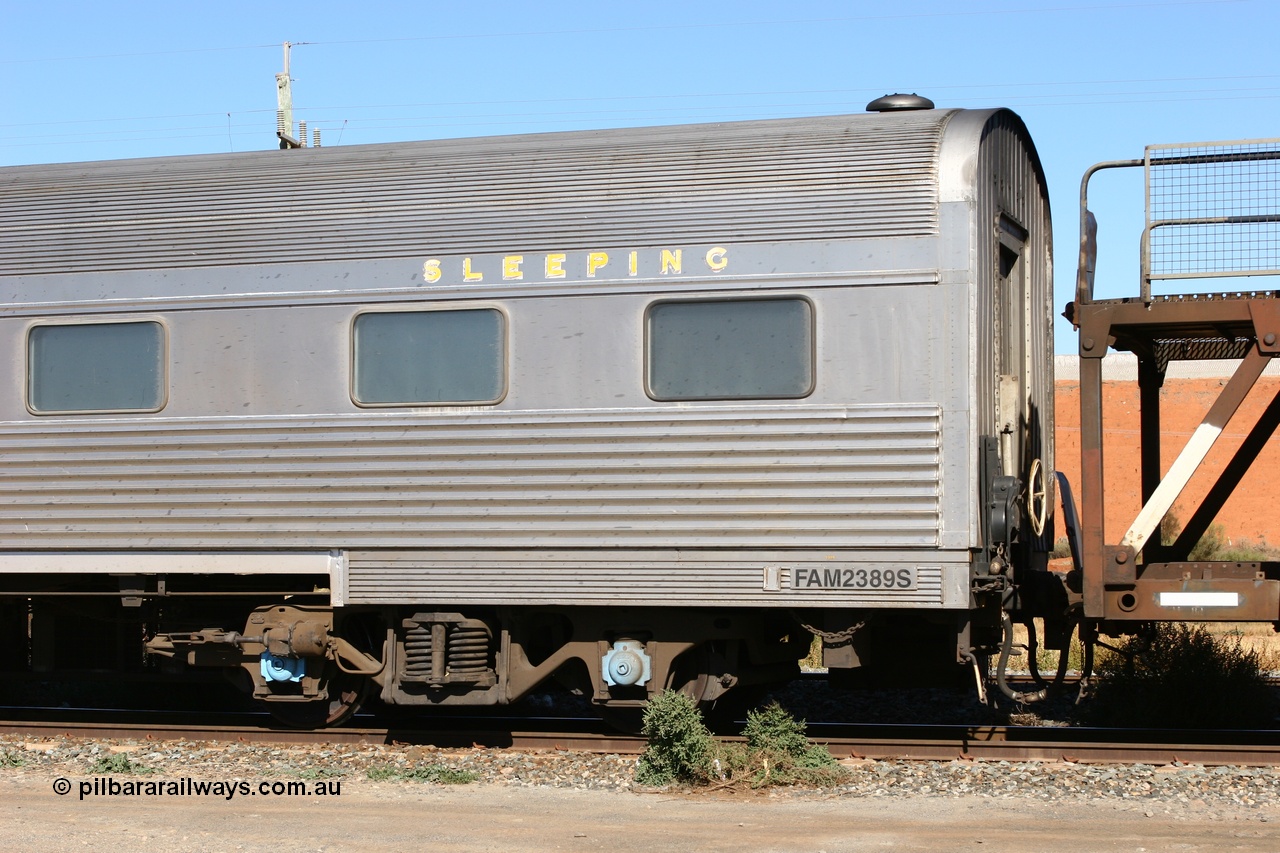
1012 181
393 578
817 476
802 179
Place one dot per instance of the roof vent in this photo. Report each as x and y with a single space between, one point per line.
899 102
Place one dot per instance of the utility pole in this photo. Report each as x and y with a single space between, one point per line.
284 107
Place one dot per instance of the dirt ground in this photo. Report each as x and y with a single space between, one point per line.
371 817
1249 514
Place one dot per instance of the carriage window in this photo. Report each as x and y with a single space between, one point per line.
730 350
96 367
429 357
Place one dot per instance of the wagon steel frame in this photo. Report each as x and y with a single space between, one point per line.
1136 577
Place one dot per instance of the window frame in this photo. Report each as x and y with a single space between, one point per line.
504 360
812 354
164 375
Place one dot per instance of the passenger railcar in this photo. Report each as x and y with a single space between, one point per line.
631 408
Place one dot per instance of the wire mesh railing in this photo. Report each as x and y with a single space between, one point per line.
1213 210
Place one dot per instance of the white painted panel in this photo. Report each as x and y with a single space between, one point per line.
152 563
1199 599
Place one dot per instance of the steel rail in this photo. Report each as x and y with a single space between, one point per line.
858 741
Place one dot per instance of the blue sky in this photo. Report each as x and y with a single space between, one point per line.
1093 80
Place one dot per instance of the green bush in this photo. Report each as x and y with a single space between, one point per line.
780 752
776 752
1248 551
1214 544
680 747
1182 677
1211 544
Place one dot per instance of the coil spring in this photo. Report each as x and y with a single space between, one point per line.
417 651
468 650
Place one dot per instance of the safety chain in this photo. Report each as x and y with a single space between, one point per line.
835 638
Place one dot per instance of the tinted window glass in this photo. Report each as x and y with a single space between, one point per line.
428 357
726 350
96 367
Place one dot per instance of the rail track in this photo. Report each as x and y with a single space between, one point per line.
926 742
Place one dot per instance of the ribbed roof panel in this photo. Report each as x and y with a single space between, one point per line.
797 179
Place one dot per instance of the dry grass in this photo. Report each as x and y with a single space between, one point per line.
813 661
1257 637
1046 659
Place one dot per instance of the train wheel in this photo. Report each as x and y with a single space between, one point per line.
347 693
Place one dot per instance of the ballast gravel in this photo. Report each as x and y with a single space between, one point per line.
1145 787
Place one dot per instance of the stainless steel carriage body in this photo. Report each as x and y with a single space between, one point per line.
917 244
